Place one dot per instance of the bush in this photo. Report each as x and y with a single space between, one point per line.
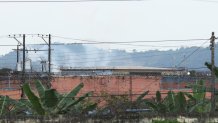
165 121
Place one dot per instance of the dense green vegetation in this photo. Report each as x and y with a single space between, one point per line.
48 101
165 121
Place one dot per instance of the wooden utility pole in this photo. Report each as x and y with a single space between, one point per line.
24 65
213 101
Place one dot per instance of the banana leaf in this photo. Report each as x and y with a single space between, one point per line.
139 98
170 101
158 97
161 107
201 107
190 96
50 99
152 105
67 99
3 105
181 103
21 106
40 88
34 100
91 107
72 103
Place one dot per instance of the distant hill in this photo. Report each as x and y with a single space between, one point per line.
87 56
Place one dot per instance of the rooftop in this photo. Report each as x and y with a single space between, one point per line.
122 68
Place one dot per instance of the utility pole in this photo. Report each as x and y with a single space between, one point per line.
49 60
49 54
24 64
17 53
213 101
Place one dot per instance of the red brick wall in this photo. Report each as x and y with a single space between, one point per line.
110 84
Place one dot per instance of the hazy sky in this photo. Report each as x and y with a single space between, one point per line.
112 21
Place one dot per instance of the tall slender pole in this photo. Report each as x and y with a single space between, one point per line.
213 101
130 88
17 53
49 60
24 64
49 54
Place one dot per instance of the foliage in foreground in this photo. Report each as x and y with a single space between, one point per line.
182 102
52 102
172 103
48 102
11 106
165 121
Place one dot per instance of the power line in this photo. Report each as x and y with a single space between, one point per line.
160 46
125 44
113 54
192 53
104 52
112 43
143 41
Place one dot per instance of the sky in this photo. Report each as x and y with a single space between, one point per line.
112 21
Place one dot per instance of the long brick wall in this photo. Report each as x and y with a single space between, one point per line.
111 84
116 85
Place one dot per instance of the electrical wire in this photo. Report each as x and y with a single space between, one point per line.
108 42
191 53
116 43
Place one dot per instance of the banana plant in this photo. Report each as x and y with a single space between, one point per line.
49 101
12 106
181 103
158 104
140 98
172 103
197 100
4 105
